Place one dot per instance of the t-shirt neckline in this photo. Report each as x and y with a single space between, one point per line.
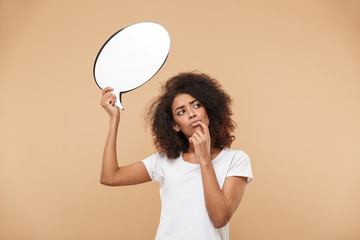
197 164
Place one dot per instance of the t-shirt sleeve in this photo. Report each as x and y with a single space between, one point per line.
240 166
153 166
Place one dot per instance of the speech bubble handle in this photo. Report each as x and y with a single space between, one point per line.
118 99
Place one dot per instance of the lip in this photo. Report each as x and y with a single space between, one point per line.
194 123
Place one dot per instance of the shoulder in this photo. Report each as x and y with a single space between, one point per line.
160 154
234 153
155 164
240 164
233 157
157 158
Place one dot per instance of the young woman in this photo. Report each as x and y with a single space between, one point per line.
202 180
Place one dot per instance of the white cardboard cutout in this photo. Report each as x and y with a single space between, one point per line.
131 57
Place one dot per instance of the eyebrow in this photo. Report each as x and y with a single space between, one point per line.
183 105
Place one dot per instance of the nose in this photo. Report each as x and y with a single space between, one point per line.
192 114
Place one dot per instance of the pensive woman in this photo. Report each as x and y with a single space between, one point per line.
202 180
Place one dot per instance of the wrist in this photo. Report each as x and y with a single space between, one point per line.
115 120
205 163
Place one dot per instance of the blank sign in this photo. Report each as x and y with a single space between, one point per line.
131 57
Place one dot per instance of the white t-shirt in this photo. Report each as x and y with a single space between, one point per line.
183 211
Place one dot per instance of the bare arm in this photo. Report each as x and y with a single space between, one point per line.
221 205
111 173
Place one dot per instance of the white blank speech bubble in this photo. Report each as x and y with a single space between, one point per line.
131 57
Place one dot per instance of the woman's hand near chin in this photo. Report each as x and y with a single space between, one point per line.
202 143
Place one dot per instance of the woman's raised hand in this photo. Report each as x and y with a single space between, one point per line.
107 101
202 143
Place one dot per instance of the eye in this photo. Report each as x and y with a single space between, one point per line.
180 112
197 105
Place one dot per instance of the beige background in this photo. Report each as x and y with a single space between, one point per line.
292 68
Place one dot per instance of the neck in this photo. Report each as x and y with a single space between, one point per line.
191 149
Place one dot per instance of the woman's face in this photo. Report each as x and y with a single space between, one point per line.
187 111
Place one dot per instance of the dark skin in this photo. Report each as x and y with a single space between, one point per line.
191 119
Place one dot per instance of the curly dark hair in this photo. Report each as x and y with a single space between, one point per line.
211 95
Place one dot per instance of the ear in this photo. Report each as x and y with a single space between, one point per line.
176 127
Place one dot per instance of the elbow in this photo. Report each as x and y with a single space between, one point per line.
221 222
106 182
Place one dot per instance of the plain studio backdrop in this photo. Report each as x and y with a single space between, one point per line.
292 68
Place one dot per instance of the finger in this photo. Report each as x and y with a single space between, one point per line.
110 94
105 97
109 100
201 138
205 128
198 134
106 90
193 141
113 99
196 138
